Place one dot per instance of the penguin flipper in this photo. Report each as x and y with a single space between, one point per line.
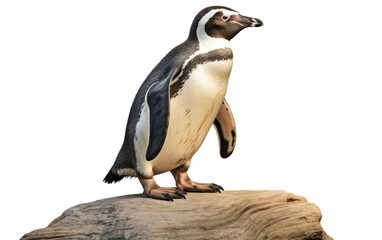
158 102
226 130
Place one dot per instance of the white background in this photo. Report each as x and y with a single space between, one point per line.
305 90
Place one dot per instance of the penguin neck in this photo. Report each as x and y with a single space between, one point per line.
207 43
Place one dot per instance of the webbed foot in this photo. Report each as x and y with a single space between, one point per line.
184 182
152 190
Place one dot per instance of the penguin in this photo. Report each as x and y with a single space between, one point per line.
178 102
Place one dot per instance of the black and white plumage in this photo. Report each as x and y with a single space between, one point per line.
181 99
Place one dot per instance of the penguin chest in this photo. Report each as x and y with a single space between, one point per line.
192 112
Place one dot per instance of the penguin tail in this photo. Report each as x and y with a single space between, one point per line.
112 177
122 168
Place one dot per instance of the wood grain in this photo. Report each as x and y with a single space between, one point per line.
230 215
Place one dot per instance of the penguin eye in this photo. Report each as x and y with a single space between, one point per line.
225 17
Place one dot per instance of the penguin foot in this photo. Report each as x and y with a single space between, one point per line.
202 187
184 182
152 190
168 194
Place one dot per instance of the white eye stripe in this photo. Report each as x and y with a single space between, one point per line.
200 30
227 12
211 13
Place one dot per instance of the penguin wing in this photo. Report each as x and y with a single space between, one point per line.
226 130
158 102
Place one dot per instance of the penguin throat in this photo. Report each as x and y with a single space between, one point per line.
210 44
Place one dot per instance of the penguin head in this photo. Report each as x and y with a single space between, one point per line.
220 22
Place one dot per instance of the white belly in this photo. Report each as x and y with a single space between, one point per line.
192 112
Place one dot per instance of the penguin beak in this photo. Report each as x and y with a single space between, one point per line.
250 22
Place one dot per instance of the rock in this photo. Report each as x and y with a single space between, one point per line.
230 215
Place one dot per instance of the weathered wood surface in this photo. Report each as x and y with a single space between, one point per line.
230 215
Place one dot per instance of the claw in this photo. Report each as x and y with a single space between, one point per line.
168 197
220 187
158 196
214 188
217 189
179 193
184 192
